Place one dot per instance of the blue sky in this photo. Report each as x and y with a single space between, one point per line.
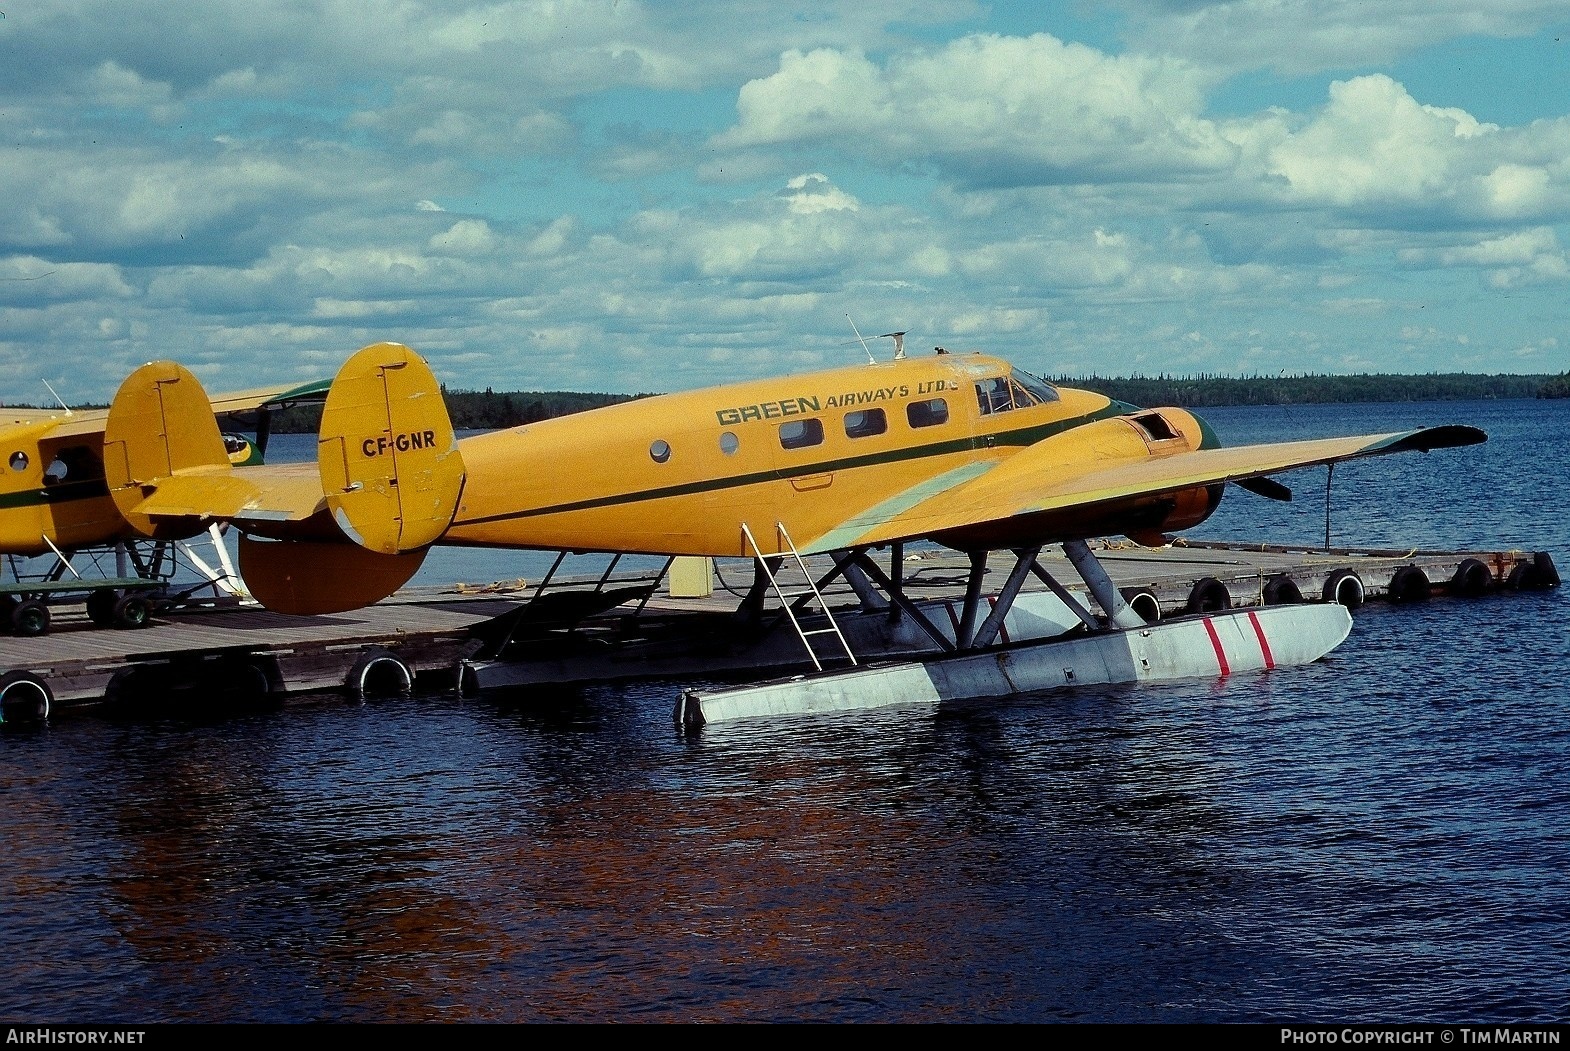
613 195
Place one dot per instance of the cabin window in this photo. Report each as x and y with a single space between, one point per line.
729 443
799 434
660 451
864 423
927 413
993 396
1040 391
18 461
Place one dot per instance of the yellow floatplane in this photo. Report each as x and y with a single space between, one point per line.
958 449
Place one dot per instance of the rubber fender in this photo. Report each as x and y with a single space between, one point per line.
1408 584
379 672
25 698
160 424
306 577
1144 602
1472 578
1547 573
387 452
1208 595
1345 587
1281 590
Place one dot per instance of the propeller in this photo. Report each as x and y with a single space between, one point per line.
1259 485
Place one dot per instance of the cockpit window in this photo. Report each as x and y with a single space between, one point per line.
1039 389
993 395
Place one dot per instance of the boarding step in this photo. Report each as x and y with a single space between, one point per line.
784 544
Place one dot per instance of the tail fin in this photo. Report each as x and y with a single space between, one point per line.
387 452
160 425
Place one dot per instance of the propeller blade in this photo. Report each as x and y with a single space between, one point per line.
1262 486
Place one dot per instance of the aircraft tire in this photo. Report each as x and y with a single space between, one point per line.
1208 595
379 672
1409 584
1281 590
1471 579
1144 602
100 607
30 619
24 698
1344 587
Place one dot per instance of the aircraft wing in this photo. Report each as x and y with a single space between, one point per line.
82 423
10 416
1038 494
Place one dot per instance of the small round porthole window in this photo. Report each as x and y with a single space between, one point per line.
660 451
18 461
728 443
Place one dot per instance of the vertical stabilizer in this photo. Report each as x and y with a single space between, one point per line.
387 451
160 424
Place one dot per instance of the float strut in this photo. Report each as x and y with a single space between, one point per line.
1119 613
1026 558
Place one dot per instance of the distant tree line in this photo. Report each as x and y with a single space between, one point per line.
476 410
1206 390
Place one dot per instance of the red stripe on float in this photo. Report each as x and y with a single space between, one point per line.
1003 629
1264 643
1221 655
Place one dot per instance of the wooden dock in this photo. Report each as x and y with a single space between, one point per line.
423 634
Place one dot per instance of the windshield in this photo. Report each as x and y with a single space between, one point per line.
1040 389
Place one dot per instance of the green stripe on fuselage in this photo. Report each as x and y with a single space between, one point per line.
54 494
1023 436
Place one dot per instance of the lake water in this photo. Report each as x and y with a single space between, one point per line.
1381 837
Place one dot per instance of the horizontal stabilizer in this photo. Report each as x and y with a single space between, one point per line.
388 455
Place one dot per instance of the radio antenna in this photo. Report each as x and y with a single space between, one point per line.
59 399
899 343
862 340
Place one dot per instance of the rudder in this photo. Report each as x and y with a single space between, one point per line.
387 452
159 425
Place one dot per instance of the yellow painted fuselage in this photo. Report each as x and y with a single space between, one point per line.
816 453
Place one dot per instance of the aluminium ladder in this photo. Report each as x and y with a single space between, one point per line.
786 545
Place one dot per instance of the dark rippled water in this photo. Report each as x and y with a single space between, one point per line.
1380 837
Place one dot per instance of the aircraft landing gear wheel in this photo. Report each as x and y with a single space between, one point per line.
132 611
30 619
100 607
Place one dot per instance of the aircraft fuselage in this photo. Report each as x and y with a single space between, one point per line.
679 473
